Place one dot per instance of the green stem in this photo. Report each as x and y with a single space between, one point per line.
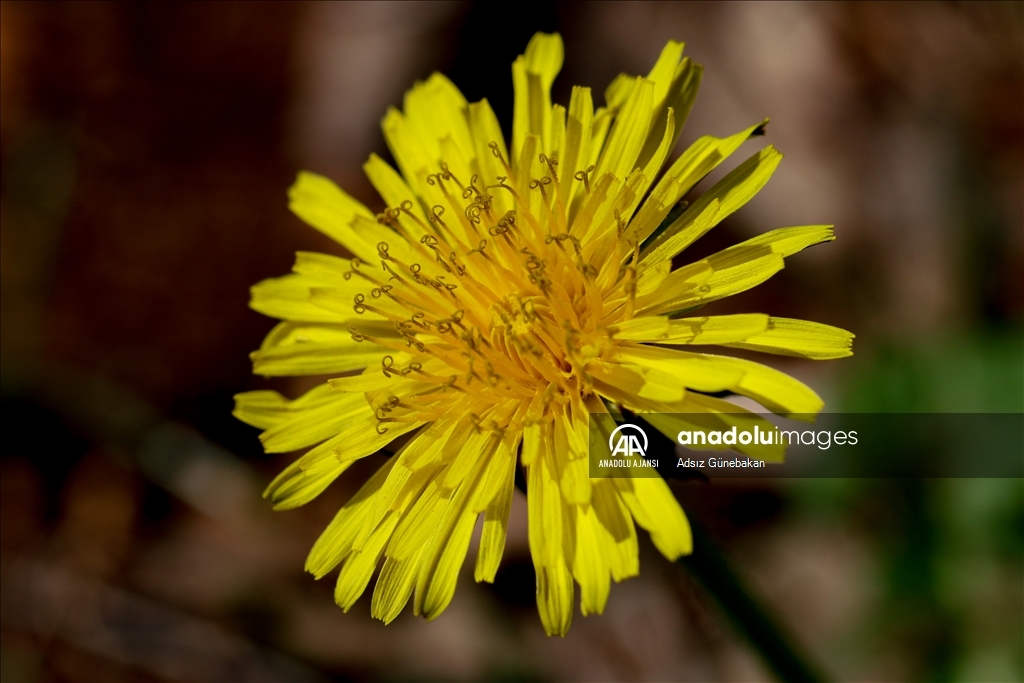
711 568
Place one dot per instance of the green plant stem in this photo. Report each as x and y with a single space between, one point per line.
712 570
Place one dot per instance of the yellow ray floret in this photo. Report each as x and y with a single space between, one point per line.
505 298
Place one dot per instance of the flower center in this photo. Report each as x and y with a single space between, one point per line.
493 308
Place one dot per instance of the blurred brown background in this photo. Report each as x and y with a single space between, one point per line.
146 151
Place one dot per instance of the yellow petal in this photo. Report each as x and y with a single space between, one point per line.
729 272
435 112
571 466
696 162
681 95
650 277
603 117
734 270
404 483
706 413
500 468
336 540
663 73
683 369
535 438
528 155
578 127
446 551
342 302
483 125
655 509
359 565
314 421
800 338
629 132
326 207
676 80
413 157
712 329
593 205
294 488
775 390
788 241
261 409
396 193
532 75
444 435
619 90
371 379
294 348
616 521
653 160
418 525
590 565
394 586
308 476
287 298
265 409
554 579
324 268
732 192
644 328
477 447
640 378
607 219
557 141
500 475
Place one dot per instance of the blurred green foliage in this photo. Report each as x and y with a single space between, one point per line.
948 553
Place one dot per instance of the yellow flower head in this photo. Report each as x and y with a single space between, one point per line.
506 296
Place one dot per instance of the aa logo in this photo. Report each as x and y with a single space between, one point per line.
627 443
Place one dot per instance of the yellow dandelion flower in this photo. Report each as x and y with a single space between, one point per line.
507 295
